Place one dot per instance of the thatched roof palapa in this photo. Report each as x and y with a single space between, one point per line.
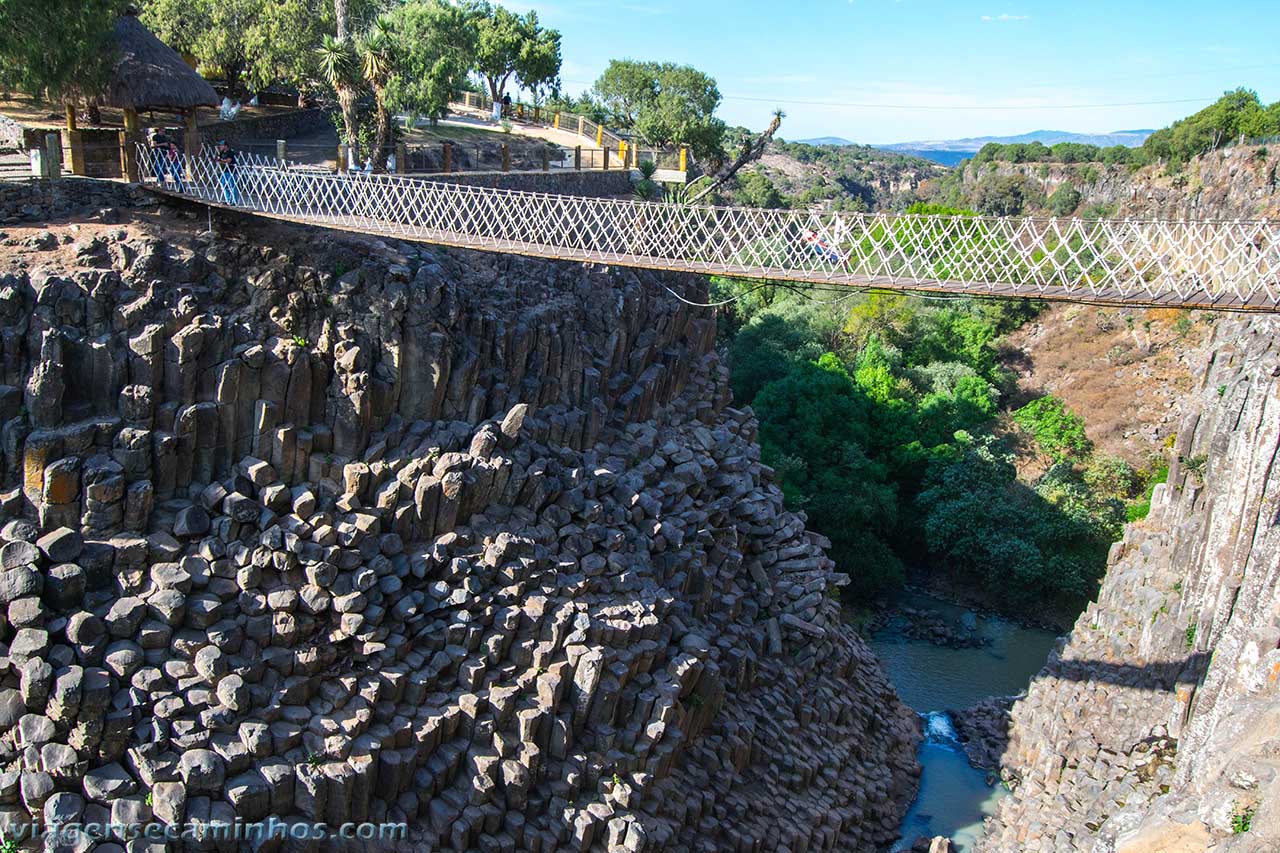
150 75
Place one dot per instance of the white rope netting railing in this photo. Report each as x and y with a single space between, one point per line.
1228 264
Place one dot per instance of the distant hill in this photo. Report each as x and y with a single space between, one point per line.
837 175
952 151
825 140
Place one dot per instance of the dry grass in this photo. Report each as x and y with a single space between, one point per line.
1126 372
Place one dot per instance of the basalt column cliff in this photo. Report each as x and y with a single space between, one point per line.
1157 726
337 530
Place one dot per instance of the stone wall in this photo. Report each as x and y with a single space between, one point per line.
329 529
1157 725
280 125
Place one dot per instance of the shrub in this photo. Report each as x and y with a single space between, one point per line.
1065 200
1056 431
1139 509
817 431
1012 540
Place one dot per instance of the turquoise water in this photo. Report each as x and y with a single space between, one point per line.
954 798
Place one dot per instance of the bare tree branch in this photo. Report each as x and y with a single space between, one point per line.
751 150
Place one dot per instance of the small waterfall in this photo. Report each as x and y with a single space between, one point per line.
939 729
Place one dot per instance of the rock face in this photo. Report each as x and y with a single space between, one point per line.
1158 724
1233 183
332 530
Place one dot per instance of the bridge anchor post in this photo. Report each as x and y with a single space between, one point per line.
506 157
446 158
53 156
577 158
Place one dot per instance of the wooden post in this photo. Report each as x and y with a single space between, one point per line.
75 152
546 159
128 140
191 137
402 158
128 156
605 152
506 157
71 116
577 157
684 158
53 156
555 122
282 151
343 154
447 158
581 119
599 136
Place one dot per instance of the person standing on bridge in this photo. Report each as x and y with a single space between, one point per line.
166 159
227 172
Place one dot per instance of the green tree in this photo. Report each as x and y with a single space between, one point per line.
376 50
514 46
340 66
665 103
249 43
626 87
59 48
1002 195
756 190
683 112
1014 541
815 430
1065 200
434 45
1057 431
1237 113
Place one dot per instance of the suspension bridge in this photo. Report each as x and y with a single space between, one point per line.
1207 264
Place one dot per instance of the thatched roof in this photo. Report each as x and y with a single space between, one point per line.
150 75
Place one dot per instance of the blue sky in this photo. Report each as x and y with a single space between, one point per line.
936 69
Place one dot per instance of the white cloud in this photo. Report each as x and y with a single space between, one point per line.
1006 18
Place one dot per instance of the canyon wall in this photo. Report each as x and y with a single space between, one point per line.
303 525
1242 182
1156 726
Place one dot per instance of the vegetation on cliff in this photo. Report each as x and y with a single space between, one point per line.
887 421
1030 178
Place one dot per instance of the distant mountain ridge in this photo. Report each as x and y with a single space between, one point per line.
1131 138
949 152
825 140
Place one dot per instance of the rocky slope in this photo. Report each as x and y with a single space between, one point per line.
846 177
304 526
1155 727
1233 183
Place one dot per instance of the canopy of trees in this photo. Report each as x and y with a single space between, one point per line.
510 45
1239 113
433 44
881 422
667 104
250 44
56 47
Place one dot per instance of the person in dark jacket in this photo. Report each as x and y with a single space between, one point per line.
226 159
166 159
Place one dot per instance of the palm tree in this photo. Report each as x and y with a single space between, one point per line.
338 65
375 50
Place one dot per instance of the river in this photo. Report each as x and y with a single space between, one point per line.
954 797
